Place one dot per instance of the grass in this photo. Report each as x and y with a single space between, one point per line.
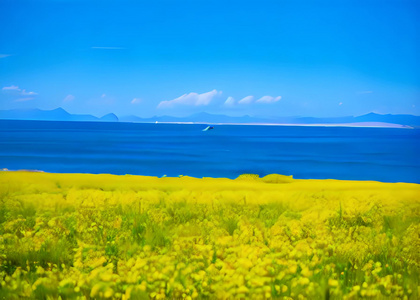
132 237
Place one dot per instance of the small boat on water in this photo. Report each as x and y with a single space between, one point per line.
208 128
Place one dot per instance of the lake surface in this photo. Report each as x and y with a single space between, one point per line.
380 154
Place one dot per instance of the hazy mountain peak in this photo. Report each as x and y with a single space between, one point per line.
109 118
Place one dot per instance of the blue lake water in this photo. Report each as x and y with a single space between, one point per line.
380 154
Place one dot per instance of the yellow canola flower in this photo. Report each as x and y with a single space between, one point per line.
142 286
292 269
306 272
108 293
97 262
242 290
40 270
244 263
106 277
332 282
205 238
304 281
95 290
140 263
66 281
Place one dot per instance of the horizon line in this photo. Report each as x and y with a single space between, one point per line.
213 114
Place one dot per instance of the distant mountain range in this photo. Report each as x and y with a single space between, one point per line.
60 114
57 114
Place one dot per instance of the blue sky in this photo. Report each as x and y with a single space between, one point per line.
263 58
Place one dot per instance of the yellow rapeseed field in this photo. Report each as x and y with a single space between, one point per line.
80 236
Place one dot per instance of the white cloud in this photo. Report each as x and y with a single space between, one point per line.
135 101
15 90
25 93
229 101
11 88
341 103
246 100
268 99
192 99
68 98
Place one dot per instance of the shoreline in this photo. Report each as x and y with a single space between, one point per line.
255 177
250 178
350 125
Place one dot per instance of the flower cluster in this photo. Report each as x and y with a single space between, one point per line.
130 237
